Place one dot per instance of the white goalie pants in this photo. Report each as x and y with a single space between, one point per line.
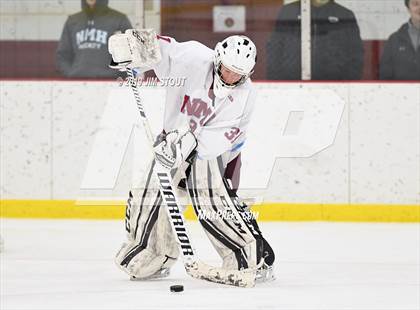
151 244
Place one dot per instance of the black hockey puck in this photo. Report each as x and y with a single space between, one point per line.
176 288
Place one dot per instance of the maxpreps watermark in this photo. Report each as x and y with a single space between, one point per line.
153 81
307 122
225 214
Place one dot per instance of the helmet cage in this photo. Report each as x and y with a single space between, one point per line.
218 70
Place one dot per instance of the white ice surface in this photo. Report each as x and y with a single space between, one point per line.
69 265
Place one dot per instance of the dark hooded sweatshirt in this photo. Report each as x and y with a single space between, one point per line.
336 45
83 47
400 60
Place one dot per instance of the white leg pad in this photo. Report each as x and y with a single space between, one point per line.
151 244
221 221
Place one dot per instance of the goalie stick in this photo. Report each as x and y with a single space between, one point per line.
193 266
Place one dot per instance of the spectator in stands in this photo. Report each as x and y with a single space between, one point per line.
336 46
83 47
401 55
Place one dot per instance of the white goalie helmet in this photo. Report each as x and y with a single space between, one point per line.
238 54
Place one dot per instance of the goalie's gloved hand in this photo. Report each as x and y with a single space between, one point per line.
134 49
175 148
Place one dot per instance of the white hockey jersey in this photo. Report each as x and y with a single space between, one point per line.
223 132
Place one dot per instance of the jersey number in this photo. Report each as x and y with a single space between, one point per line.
232 134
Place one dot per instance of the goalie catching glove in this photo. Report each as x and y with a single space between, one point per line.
134 49
175 148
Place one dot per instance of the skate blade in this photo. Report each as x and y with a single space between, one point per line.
163 273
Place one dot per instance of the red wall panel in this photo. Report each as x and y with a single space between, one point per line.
27 59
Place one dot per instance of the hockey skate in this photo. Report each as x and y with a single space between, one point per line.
160 274
265 274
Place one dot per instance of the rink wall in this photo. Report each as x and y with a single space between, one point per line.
315 151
